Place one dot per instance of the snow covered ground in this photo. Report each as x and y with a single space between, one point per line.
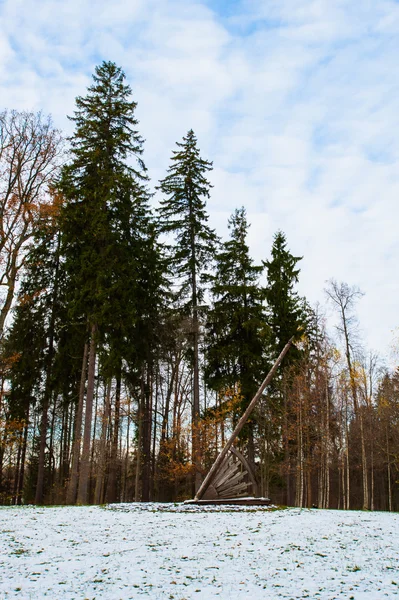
180 552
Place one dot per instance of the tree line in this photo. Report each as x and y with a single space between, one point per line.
132 339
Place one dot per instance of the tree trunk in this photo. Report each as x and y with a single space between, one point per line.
389 472
138 455
154 439
47 390
147 421
196 405
83 490
17 468
112 492
51 461
126 462
98 494
73 481
364 466
23 459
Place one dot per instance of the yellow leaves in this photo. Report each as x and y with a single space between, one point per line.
336 355
174 465
12 430
383 402
6 363
302 343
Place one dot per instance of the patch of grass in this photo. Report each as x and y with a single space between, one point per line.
19 551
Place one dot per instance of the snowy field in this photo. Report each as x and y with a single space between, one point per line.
179 552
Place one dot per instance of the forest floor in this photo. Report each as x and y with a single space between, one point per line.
182 552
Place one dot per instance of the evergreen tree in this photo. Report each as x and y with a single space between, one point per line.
102 224
183 213
286 311
37 317
26 372
236 331
286 317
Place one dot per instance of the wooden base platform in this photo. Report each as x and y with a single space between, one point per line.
232 501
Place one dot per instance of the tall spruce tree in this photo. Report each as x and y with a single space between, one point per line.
287 317
236 330
286 310
183 213
101 185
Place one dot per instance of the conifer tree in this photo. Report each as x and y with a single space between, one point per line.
36 315
286 317
285 309
183 213
101 186
236 331
28 330
41 323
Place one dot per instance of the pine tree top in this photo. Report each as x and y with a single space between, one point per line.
182 213
185 187
105 125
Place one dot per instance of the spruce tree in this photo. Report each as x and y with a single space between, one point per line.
236 331
286 317
99 225
183 213
285 308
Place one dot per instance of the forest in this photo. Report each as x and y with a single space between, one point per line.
132 338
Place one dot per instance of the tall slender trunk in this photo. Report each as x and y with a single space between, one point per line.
154 438
23 459
286 448
93 442
42 449
327 456
17 468
98 494
51 459
74 477
364 465
64 423
138 454
342 483
300 473
196 405
126 462
165 416
147 421
388 471
372 481
83 489
111 495
47 389
358 415
347 478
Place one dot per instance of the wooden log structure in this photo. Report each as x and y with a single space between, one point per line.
231 475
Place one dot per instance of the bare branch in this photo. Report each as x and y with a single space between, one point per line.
31 151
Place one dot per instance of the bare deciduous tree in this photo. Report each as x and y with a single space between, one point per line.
344 298
30 154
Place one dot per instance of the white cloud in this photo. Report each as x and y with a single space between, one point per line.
295 101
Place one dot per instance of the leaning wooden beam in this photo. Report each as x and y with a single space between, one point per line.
216 465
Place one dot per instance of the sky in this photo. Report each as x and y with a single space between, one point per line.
296 102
